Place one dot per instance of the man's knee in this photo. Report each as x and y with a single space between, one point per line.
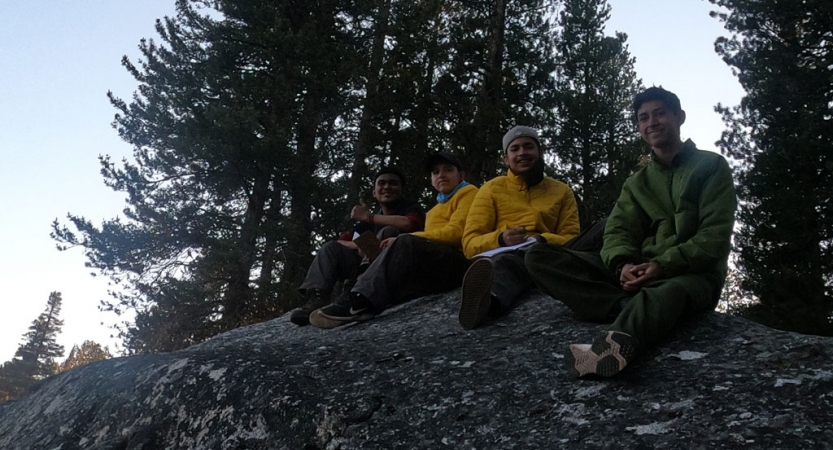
543 254
702 291
406 242
331 247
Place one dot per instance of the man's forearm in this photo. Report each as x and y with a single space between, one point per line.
401 222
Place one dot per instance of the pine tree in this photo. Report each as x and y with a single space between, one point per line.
230 168
782 140
89 351
35 358
499 76
255 127
596 144
9 389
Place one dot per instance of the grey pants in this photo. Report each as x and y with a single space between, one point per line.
411 267
335 262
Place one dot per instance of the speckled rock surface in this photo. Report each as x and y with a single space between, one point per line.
412 378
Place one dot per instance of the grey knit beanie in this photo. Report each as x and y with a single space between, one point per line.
517 132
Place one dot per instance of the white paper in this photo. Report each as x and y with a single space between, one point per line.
499 250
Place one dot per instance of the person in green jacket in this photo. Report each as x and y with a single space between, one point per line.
665 251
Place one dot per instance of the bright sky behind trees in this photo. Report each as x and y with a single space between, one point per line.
60 59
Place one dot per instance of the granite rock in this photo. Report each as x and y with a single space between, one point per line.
412 378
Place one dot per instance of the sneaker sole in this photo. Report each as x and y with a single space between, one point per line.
357 318
319 320
476 296
606 357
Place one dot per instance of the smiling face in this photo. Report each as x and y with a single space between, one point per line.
521 155
445 177
387 189
659 125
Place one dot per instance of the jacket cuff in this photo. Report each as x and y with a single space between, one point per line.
618 263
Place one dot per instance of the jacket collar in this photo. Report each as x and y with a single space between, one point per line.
686 150
515 180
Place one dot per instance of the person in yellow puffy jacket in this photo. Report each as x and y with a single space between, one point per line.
508 213
414 264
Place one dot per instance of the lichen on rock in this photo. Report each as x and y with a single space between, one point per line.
412 378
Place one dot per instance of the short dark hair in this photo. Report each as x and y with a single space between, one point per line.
389 170
655 93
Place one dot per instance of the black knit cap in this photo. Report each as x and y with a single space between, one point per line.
442 157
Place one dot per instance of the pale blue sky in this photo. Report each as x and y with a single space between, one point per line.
59 59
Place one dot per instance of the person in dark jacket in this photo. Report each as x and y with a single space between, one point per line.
665 251
413 265
340 259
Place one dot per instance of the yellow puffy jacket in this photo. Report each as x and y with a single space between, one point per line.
445 221
505 202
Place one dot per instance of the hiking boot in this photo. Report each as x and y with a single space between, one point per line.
607 356
315 300
476 299
349 307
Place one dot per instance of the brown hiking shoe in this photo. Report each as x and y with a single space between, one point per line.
476 298
315 300
607 356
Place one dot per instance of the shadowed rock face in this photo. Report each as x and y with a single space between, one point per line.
412 378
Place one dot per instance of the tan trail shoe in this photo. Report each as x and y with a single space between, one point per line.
607 356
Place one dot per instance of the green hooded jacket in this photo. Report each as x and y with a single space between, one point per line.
680 217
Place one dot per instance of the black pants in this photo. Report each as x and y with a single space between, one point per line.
409 268
511 277
582 282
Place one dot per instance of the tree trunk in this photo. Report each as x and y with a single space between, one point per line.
237 301
370 105
298 248
487 132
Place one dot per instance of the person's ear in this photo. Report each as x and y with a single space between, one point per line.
681 117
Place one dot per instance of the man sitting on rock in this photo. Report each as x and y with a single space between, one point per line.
509 210
341 260
416 264
665 250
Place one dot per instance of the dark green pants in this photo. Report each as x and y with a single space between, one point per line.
582 282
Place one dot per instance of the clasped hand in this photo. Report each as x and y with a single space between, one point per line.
635 276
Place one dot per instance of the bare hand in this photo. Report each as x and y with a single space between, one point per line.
634 277
360 212
387 242
514 236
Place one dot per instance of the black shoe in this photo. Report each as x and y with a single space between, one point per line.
315 300
350 307
476 299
